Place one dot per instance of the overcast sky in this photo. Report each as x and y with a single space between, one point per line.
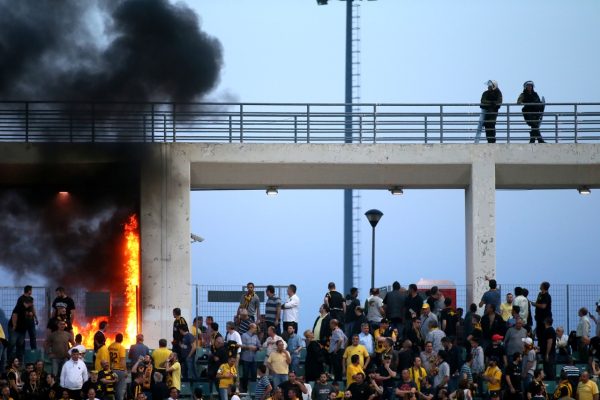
412 51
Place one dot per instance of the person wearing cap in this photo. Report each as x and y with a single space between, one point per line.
529 362
533 107
73 375
490 103
496 350
426 318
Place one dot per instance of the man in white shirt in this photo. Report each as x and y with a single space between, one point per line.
366 339
523 304
73 375
291 309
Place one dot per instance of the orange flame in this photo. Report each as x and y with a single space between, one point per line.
132 278
131 265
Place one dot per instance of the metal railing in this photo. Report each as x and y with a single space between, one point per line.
284 122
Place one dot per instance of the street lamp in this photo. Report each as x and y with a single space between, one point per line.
373 216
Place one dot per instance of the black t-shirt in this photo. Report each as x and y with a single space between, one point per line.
413 303
534 386
335 300
549 333
99 340
497 352
541 314
21 311
21 301
406 386
451 317
360 391
351 304
514 372
65 302
595 346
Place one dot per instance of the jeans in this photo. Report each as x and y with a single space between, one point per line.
248 374
31 331
16 347
57 364
295 362
279 379
121 384
190 363
223 393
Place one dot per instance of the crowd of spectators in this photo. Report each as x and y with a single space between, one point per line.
409 344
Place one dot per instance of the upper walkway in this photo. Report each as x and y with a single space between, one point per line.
285 122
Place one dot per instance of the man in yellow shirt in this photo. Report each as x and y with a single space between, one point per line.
160 356
586 389
278 363
173 369
381 334
506 308
118 362
360 350
101 355
493 376
227 375
353 369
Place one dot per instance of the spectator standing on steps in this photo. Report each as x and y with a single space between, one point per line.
291 309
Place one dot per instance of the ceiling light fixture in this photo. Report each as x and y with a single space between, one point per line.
584 190
272 191
396 190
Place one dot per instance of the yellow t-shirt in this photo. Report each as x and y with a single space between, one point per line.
101 354
352 370
506 311
362 352
159 356
278 362
586 391
174 377
194 331
496 374
379 345
416 375
117 357
224 383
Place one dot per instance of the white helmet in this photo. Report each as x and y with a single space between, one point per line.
492 83
528 83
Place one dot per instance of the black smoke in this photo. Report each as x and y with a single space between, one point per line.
129 50
72 239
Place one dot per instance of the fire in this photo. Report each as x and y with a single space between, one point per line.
132 278
131 266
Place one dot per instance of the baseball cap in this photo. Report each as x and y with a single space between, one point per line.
527 341
497 337
425 305
384 321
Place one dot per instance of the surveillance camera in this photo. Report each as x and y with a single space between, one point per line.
196 238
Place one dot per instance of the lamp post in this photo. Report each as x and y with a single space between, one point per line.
373 216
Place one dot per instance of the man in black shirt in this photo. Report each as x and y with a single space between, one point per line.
393 303
65 301
336 303
543 308
17 328
513 379
293 385
413 304
359 389
351 303
30 316
547 345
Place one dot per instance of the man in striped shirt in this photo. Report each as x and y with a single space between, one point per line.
273 309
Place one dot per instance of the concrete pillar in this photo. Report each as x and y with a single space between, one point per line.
480 213
165 239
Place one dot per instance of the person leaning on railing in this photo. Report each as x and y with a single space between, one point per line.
491 100
532 110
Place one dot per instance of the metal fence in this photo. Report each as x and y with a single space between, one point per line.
222 301
285 122
566 300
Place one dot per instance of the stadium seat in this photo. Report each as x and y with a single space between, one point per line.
32 356
186 390
260 356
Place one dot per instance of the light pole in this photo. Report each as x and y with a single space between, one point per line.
373 216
